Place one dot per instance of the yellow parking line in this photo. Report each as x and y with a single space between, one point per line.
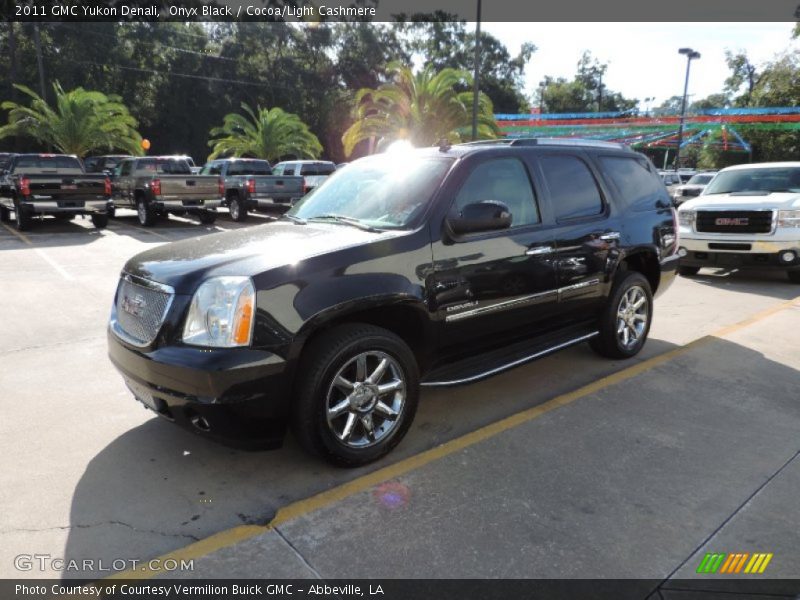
21 236
314 503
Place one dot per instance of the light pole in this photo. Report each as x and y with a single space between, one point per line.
690 55
475 83
647 102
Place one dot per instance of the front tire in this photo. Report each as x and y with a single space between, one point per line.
237 209
626 319
358 389
687 271
100 220
207 217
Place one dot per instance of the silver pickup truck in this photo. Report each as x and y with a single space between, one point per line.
249 185
160 185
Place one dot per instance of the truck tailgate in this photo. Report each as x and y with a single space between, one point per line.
189 187
66 187
278 186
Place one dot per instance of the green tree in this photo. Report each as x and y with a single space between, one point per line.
270 134
421 108
744 74
80 122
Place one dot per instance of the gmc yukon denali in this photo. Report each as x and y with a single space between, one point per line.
52 184
156 186
747 217
431 267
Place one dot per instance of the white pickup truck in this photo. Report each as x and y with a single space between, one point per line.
747 217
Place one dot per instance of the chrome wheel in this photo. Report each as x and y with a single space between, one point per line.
141 212
633 313
365 399
234 210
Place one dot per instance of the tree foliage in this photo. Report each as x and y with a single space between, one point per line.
79 122
421 108
271 134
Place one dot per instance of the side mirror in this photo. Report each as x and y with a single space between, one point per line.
487 215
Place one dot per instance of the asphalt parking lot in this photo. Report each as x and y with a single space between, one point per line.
555 469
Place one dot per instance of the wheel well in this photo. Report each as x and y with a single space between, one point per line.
404 321
645 263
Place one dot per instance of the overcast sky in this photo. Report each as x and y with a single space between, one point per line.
643 58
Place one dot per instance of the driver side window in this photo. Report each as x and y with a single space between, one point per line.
503 180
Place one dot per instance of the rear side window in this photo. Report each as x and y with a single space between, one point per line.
633 179
504 180
165 166
212 169
573 190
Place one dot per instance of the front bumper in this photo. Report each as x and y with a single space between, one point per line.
236 396
735 253
76 207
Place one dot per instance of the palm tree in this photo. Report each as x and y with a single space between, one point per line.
269 134
421 108
81 121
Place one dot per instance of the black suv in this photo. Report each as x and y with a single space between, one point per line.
431 267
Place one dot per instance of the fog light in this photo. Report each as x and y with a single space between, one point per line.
682 252
788 256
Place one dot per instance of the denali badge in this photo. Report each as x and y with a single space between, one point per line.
133 307
739 221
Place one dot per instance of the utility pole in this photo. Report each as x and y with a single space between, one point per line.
38 43
475 83
690 55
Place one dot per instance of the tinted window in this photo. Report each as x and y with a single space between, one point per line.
168 166
48 162
249 167
632 178
211 169
317 169
91 164
505 180
126 167
573 190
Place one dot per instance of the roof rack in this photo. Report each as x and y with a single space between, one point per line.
549 142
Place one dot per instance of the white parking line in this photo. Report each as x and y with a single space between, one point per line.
55 265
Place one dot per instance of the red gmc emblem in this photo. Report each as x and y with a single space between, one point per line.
740 221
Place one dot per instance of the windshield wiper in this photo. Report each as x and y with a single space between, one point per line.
297 220
347 221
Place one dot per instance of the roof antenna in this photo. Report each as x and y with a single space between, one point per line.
444 144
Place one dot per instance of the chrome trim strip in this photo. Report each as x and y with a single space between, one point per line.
512 364
141 281
578 286
498 306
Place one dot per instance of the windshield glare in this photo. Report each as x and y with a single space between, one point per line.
387 192
778 179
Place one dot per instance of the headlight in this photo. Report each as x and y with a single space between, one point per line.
686 218
221 313
789 218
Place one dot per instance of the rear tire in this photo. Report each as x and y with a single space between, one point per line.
687 271
111 212
794 276
355 422
22 220
237 208
626 319
145 213
207 217
100 220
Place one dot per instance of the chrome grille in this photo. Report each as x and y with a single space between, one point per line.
141 307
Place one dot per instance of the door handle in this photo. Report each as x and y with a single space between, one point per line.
539 250
611 235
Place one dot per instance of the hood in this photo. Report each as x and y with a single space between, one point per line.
249 251
740 201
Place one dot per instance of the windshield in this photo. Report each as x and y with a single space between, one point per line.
383 191
700 179
777 179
